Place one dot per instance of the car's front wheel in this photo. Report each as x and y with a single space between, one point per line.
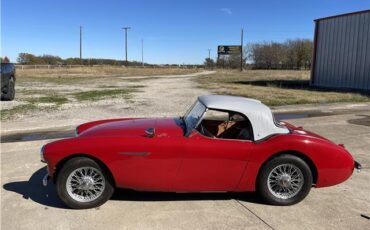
284 180
82 183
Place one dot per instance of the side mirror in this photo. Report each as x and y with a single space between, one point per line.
150 132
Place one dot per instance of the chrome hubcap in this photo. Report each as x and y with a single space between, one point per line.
85 184
285 181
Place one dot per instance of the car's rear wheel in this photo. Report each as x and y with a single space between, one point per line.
82 183
10 91
284 180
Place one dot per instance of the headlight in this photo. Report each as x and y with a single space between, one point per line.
42 154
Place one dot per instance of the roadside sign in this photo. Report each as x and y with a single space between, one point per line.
226 50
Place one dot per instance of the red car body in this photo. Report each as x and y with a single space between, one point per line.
172 161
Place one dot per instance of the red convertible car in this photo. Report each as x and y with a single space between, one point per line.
222 143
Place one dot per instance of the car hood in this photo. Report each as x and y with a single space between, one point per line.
164 127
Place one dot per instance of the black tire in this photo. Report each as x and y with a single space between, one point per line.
10 92
263 180
69 167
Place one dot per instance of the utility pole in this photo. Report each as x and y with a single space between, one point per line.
81 45
209 54
126 28
142 52
241 52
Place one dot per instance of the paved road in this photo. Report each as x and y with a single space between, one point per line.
26 204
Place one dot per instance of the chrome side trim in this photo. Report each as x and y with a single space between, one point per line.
141 154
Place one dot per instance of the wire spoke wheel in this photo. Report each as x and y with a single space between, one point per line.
85 184
285 181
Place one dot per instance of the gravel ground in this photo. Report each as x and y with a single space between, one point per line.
166 95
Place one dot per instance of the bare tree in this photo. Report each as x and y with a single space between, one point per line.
292 54
209 63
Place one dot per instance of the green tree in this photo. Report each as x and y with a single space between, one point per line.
26 58
51 60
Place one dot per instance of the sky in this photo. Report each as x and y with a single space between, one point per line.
173 31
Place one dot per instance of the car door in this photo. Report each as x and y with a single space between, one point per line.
212 164
149 161
148 165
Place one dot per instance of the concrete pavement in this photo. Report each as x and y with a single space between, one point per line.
25 204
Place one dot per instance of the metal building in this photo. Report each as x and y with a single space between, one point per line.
341 56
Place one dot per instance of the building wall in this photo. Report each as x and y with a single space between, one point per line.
342 53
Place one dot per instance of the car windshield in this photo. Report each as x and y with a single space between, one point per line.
193 116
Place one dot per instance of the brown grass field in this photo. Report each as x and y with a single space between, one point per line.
101 71
274 87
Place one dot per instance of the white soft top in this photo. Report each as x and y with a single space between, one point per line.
259 114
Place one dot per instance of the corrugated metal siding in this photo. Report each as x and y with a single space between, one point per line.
343 52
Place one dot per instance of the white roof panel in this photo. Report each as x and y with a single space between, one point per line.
259 114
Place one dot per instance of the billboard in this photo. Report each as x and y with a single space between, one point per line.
227 50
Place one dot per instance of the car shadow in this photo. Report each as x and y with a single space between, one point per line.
35 191
289 84
131 195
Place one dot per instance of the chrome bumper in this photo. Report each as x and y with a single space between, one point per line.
358 166
45 180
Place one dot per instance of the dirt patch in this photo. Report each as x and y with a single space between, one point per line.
364 120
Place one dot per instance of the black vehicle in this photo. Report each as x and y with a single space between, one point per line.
7 81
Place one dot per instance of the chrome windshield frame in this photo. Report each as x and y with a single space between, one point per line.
189 128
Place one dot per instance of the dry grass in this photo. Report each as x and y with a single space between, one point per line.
234 75
88 75
107 71
243 84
